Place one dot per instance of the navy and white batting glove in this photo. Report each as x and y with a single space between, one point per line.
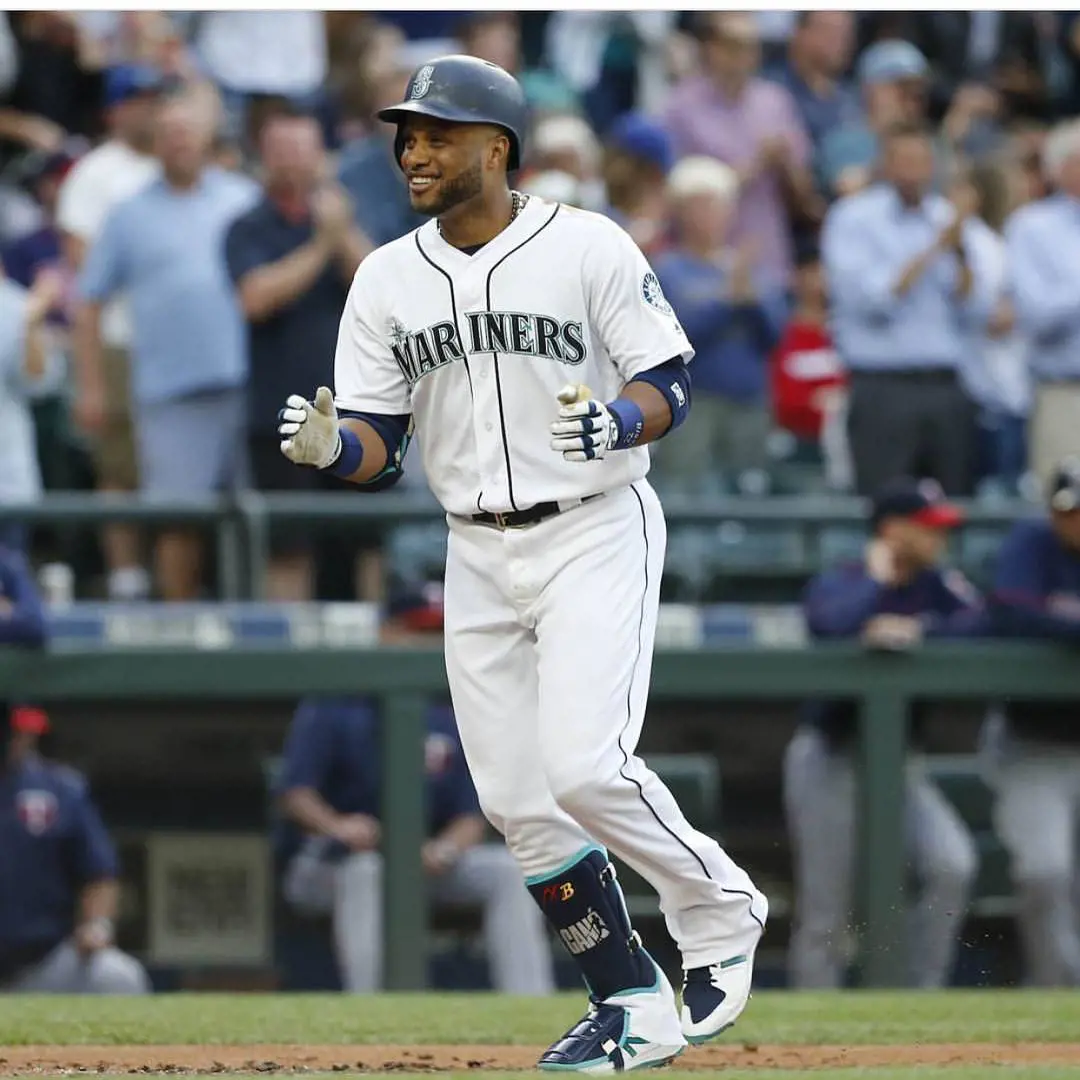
585 430
309 430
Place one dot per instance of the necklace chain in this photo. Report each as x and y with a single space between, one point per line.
517 204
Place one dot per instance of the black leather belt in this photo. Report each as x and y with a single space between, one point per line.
519 519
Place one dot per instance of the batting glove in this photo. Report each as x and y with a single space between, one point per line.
585 430
309 430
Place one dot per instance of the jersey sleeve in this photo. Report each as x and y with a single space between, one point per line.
95 854
366 375
627 307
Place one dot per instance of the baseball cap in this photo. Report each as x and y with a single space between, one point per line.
642 137
29 720
1065 485
129 80
890 61
921 501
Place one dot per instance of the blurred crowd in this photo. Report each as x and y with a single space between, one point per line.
862 220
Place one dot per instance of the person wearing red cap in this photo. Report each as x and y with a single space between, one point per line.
894 598
58 875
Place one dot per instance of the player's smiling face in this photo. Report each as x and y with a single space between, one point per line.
444 163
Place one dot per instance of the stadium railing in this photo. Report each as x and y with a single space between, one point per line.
819 527
404 679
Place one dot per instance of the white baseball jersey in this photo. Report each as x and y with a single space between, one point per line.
477 346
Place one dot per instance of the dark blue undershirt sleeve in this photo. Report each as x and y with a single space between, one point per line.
396 434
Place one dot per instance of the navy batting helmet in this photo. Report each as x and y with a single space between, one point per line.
463 90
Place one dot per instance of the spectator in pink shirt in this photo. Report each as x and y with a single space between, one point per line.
731 113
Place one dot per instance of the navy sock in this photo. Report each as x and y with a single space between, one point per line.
585 906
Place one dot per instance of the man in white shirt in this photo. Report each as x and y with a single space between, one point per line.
107 175
28 368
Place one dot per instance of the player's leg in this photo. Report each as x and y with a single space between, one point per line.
946 862
819 802
491 664
517 946
67 971
358 921
491 669
1035 816
596 621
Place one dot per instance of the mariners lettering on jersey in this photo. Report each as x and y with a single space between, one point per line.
417 354
507 333
518 333
585 934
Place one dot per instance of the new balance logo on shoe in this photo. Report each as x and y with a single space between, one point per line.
585 934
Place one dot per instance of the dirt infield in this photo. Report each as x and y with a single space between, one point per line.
29 1060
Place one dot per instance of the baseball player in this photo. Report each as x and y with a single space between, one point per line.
1035 753
486 328
329 841
894 598
58 869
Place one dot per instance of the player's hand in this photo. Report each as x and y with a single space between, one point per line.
881 562
892 632
438 856
93 935
585 430
358 832
309 430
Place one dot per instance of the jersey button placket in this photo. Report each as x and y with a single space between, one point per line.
490 455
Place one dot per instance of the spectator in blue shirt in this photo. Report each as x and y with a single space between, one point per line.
896 597
1035 748
906 288
1043 253
292 258
58 876
22 617
733 320
815 69
164 248
330 790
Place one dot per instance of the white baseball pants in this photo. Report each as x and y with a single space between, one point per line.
549 642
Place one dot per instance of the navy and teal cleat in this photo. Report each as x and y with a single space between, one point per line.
714 996
636 1029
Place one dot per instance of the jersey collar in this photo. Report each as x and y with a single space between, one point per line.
535 213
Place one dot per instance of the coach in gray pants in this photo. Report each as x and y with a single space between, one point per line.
330 788
894 598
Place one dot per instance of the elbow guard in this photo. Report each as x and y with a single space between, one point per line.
396 433
672 379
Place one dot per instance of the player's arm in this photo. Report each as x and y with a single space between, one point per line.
366 449
649 406
1020 603
628 312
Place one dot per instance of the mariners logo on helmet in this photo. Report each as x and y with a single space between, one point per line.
422 83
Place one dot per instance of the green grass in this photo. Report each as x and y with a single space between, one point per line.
861 1017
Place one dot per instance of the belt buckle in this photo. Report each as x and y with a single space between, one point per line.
500 520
